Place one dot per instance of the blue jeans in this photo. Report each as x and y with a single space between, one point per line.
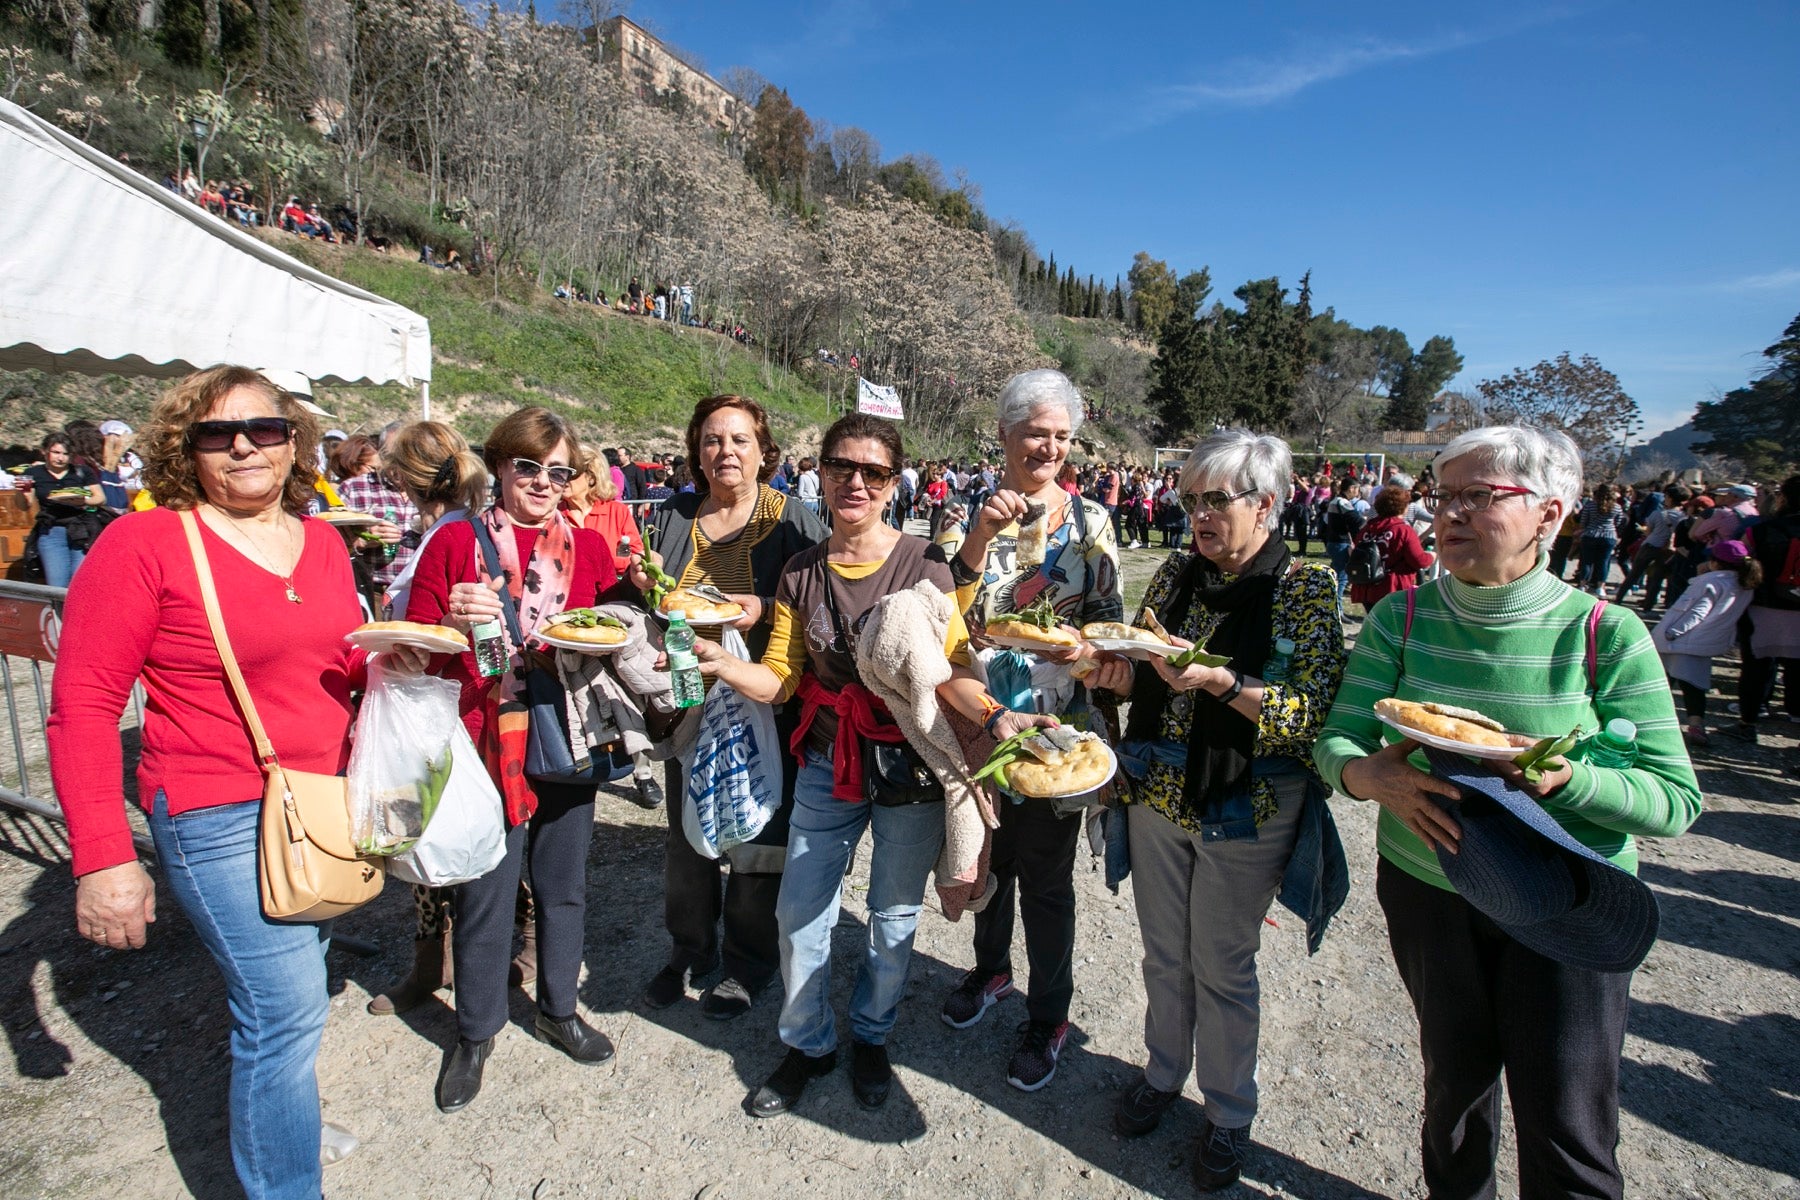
1339 553
274 986
59 561
1596 561
821 839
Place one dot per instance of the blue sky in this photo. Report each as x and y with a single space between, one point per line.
1617 179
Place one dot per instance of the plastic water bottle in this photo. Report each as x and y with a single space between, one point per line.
1280 660
490 648
1614 746
389 549
689 687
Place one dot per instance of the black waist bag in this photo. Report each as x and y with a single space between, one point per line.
895 774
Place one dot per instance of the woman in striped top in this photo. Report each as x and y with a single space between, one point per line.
1500 634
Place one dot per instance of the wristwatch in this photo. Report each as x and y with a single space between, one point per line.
1231 693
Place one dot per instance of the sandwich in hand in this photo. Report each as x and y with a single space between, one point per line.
1037 622
699 606
1446 721
1120 631
588 625
1034 534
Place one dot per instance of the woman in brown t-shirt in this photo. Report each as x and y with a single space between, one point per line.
820 604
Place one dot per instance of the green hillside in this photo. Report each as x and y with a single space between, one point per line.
621 379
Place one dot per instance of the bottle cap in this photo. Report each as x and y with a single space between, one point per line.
678 614
1284 645
1621 729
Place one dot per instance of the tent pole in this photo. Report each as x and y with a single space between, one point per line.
425 401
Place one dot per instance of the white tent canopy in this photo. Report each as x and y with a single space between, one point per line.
102 271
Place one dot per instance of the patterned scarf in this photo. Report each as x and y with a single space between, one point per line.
541 589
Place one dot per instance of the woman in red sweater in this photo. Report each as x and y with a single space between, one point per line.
547 566
235 450
1401 550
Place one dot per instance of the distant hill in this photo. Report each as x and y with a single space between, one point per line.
1671 451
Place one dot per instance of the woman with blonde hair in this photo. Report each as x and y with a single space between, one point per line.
446 481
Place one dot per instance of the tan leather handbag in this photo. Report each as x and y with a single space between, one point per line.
307 865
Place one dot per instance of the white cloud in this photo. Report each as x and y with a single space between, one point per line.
1255 82
1770 281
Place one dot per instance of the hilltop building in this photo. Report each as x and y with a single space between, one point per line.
657 75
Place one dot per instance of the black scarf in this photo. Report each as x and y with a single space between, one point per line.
1221 743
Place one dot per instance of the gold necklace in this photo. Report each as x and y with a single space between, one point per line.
287 580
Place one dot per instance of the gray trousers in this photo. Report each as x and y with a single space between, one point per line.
1200 911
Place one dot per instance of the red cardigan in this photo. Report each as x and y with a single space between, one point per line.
1404 553
449 559
134 610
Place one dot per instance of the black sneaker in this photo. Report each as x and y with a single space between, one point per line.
782 1091
726 999
1141 1107
1034 1062
650 792
870 1073
974 996
1743 731
1219 1156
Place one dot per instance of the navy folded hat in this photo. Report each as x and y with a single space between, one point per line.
1524 871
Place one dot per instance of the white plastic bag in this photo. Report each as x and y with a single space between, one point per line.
733 768
419 794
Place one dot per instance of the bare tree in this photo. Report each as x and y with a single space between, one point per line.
1329 388
746 83
856 154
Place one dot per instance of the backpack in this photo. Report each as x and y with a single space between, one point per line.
1780 587
1368 563
1342 520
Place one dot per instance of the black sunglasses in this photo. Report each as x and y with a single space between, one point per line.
559 476
839 470
214 436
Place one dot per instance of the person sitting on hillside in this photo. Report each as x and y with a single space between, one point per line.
293 217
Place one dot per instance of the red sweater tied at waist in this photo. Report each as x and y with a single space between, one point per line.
860 716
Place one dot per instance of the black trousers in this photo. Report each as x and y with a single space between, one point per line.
1693 699
1487 1005
555 843
1033 858
697 900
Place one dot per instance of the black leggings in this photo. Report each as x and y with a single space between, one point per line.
1692 698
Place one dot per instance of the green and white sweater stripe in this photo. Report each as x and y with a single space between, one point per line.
1518 653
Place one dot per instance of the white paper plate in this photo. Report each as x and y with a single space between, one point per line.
1492 753
551 639
1140 647
694 620
1019 643
1111 770
374 640
347 520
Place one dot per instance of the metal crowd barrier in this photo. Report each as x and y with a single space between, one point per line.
30 628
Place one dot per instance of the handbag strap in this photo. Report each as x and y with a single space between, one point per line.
209 595
491 553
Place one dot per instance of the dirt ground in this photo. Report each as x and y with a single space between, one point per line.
116 1081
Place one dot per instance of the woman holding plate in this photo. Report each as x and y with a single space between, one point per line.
1220 758
1501 634
546 567
733 532
822 604
1032 542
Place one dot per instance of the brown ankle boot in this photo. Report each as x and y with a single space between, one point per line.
431 971
524 964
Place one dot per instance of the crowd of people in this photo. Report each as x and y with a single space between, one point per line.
1227 764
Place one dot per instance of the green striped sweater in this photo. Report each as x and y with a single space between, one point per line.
1518 653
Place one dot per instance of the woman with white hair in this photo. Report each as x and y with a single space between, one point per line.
1498 632
1220 759
1077 571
